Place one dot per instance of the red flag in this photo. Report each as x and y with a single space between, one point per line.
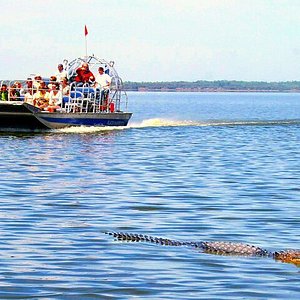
85 30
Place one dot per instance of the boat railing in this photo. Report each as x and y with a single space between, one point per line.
13 89
83 99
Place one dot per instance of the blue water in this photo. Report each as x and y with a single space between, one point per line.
190 166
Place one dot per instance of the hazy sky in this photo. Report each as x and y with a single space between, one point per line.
155 40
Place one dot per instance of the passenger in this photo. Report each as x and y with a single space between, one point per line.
14 94
29 84
4 93
37 81
18 85
28 97
65 86
55 95
103 82
84 75
55 98
41 97
52 81
61 72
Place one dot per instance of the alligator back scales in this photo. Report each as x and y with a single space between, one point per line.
218 247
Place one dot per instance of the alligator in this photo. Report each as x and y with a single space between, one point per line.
216 247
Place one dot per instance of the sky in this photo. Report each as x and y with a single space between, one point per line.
155 40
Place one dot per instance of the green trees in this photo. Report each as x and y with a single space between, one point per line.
214 86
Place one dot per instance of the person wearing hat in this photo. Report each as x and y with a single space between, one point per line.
53 80
103 81
41 97
37 81
25 90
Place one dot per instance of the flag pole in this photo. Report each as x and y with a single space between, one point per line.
85 47
85 35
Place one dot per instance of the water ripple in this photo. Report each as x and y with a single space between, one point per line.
162 176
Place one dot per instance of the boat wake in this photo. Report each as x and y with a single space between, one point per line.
177 123
89 129
162 123
174 123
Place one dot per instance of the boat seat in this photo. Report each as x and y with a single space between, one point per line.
76 102
85 90
76 94
73 95
88 93
65 99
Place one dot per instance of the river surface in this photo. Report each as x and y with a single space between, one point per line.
190 166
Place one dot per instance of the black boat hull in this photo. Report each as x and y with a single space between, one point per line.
19 116
14 116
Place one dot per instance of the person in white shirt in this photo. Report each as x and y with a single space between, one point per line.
55 98
65 88
103 81
28 98
61 73
55 95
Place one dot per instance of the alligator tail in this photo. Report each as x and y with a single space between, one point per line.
130 237
219 247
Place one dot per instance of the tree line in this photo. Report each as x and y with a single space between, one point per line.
218 85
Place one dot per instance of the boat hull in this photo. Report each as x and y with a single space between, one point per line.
18 116
63 120
15 116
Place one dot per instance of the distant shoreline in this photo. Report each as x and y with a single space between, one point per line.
211 91
215 86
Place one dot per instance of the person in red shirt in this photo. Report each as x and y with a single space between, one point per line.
84 75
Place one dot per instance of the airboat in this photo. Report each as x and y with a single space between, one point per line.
83 106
